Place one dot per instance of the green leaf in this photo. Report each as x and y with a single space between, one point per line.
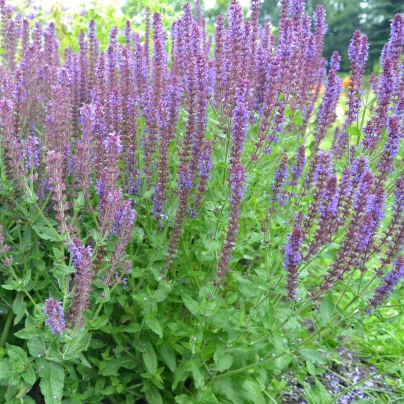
155 326
26 278
150 358
310 368
224 363
78 344
131 328
46 233
52 381
222 359
163 291
191 304
168 355
197 375
6 370
59 255
17 354
312 355
206 397
253 392
153 396
19 308
62 269
184 399
317 394
111 368
35 347
29 375
98 322
326 309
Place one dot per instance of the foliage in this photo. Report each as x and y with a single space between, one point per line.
172 227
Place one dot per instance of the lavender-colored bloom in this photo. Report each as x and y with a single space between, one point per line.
52 54
169 112
58 128
56 178
219 59
123 227
205 169
278 186
146 47
396 42
32 152
320 174
385 89
82 263
393 136
393 236
366 230
236 196
108 178
293 258
300 161
326 114
240 124
55 316
328 223
83 159
395 275
84 91
358 54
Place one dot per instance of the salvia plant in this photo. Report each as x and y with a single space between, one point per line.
183 216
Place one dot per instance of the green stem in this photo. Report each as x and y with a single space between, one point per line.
6 328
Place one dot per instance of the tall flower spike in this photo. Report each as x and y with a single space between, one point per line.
54 315
358 54
236 197
83 70
293 258
240 124
169 109
394 234
219 59
94 46
32 154
300 161
346 256
108 179
83 276
83 159
278 186
159 73
387 286
123 228
328 223
326 115
57 183
146 46
385 89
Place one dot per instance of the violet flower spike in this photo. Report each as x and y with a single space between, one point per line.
293 258
54 315
395 275
81 257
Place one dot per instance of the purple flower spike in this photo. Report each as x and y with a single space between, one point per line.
300 161
236 196
293 258
387 286
81 257
55 316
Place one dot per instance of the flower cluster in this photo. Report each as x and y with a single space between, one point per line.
54 315
159 150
